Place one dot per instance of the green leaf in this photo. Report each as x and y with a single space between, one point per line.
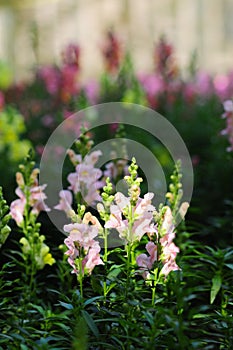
114 272
199 316
90 322
216 285
66 305
90 301
230 266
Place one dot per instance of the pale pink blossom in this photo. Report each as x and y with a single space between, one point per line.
169 266
140 217
146 262
228 106
144 204
74 158
92 158
143 225
86 178
17 207
81 244
93 259
152 250
122 201
170 251
87 174
65 202
168 224
37 198
36 202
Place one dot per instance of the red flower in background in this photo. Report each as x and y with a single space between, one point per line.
112 53
2 101
164 60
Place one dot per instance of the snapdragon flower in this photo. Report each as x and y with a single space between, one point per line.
82 247
138 218
146 262
86 178
165 250
65 202
32 195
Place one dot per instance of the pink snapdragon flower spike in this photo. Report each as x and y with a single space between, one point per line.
168 248
132 228
36 199
86 178
82 247
164 251
228 115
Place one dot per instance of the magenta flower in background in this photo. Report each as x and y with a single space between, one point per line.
69 83
204 84
153 84
112 53
50 76
2 100
228 115
92 91
221 85
71 56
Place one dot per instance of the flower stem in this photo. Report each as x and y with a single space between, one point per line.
105 258
80 277
128 268
154 283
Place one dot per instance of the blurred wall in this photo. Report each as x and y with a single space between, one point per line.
34 32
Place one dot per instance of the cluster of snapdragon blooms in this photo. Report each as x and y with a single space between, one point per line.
84 189
25 211
134 217
228 115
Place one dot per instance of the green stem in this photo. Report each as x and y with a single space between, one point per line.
105 245
153 296
128 249
128 268
154 287
80 277
105 258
